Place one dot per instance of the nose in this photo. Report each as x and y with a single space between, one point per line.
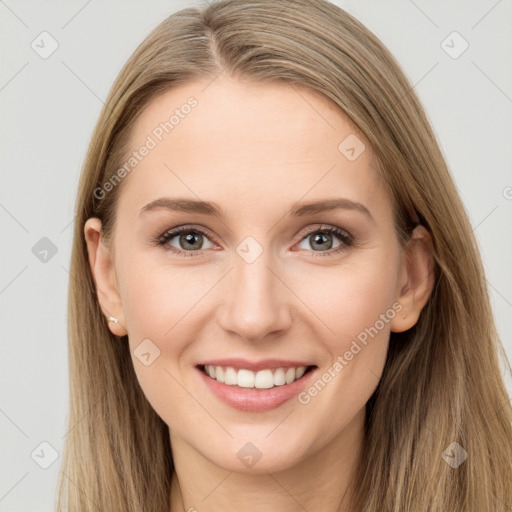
256 303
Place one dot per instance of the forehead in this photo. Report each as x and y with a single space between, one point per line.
248 143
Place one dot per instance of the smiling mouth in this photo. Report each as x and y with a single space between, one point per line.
262 379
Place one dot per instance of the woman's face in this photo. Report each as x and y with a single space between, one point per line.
259 280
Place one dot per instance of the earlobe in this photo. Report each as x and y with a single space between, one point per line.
417 280
103 272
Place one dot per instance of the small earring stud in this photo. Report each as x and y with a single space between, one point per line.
113 319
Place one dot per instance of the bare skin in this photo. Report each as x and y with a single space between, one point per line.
254 151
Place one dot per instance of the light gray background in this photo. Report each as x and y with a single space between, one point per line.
49 109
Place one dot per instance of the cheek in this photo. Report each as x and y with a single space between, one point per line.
160 304
353 306
158 299
350 298
356 304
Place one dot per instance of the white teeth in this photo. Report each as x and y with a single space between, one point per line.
263 379
290 375
299 372
219 374
230 376
245 379
279 378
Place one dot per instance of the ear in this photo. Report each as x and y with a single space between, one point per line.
102 268
417 279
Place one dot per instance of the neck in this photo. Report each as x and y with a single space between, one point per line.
319 482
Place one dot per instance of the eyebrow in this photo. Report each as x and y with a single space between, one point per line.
297 209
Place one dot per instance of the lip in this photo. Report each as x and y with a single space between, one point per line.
253 399
255 366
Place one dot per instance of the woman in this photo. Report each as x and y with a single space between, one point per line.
278 303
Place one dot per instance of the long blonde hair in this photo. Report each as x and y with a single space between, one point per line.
441 383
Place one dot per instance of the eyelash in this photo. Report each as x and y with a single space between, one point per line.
345 238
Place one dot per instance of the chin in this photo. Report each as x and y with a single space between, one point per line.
259 456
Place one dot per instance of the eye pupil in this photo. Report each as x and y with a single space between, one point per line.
326 241
189 239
